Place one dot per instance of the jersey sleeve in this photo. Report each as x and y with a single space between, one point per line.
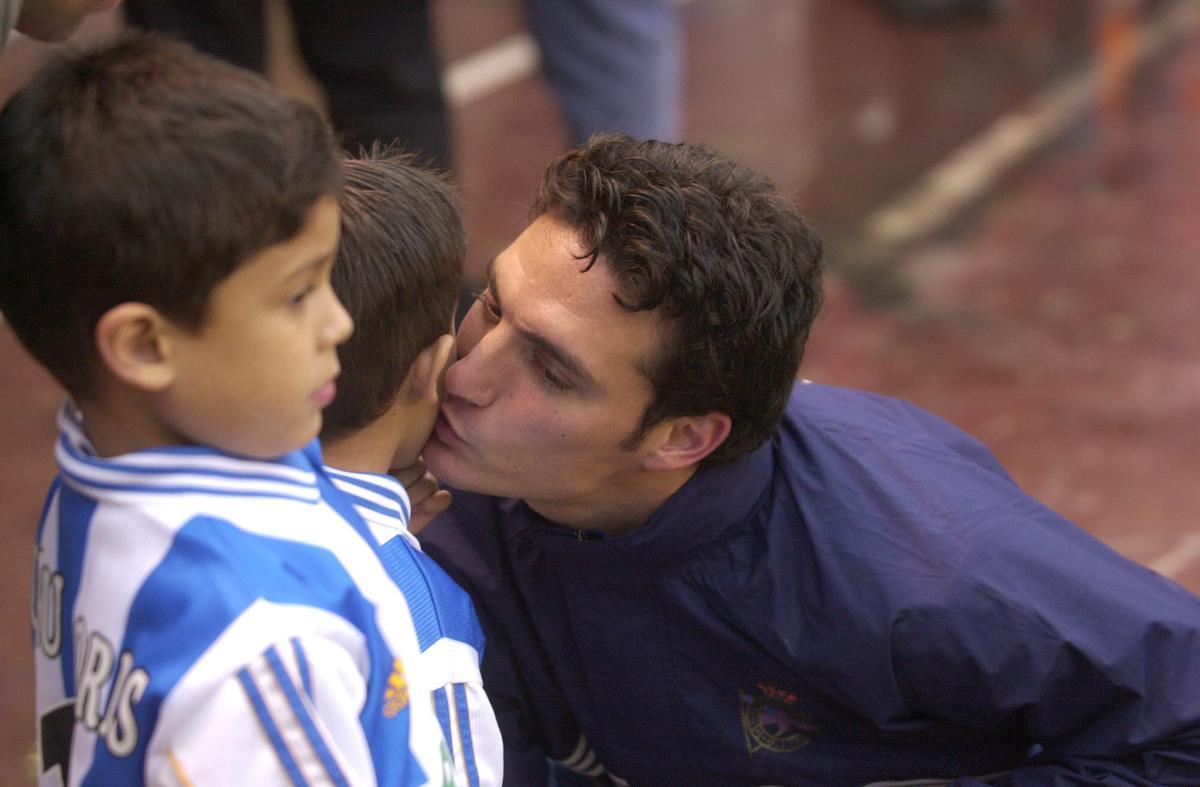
469 727
288 717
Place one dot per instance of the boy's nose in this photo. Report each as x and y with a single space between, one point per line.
339 325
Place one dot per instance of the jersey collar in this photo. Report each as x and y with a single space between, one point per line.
180 470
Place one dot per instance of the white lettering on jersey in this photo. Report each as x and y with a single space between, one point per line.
114 722
46 608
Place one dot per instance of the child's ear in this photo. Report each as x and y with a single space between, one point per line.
133 341
426 372
688 440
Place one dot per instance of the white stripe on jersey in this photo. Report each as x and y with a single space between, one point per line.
129 536
93 480
174 467
396 502
451 666
286 708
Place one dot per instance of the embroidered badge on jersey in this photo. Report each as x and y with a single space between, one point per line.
771 721
395 698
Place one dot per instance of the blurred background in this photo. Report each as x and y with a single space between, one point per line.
1009 189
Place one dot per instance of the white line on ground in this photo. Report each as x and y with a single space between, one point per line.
490 70
1185 554
969 171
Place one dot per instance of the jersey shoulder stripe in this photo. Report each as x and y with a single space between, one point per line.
178 469
439 606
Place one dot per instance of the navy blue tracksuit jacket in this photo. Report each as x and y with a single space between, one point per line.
868 598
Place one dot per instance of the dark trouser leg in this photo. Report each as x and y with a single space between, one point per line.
230 29
376 61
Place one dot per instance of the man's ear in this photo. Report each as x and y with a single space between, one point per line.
133 340
426 371
689 440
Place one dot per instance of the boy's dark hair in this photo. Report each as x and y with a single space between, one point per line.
144 171
398 270
728 262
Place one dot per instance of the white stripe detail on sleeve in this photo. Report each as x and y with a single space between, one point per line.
292 729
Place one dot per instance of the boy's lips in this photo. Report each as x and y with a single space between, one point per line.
325 394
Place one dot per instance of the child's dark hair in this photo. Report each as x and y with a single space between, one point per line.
398 271
144 171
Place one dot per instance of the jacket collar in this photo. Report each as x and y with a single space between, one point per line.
712 502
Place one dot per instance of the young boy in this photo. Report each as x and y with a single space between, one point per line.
398 271
205 612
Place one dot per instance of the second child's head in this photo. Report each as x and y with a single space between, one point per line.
168 224
398 273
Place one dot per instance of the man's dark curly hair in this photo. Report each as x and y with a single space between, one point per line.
718 252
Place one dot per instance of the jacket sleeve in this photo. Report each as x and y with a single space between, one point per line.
525 762
1059 642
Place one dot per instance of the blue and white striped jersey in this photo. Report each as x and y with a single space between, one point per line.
448 630
204 619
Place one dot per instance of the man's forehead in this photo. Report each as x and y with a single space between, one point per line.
557 298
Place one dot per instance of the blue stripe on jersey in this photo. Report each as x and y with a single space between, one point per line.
54 486
300 710
344 505
397 556
439 606
211 573
464 729
385 486
382 510
75 512
268 725
72 448
302 663
303 494
155 470
441 707
456 612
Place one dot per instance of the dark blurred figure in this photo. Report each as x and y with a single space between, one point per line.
375 60
921 10
46 20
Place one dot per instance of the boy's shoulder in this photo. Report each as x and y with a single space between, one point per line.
439 605
191 522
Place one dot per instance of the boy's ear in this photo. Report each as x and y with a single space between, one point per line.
689 440
426 371
133 341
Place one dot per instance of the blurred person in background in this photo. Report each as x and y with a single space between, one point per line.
46 20
614 65
374 59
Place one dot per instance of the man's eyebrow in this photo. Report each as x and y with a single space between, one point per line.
566 360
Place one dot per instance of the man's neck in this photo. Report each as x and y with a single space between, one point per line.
629 506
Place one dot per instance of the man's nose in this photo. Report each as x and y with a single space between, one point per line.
474 376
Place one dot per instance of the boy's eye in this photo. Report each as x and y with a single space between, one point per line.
297 298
